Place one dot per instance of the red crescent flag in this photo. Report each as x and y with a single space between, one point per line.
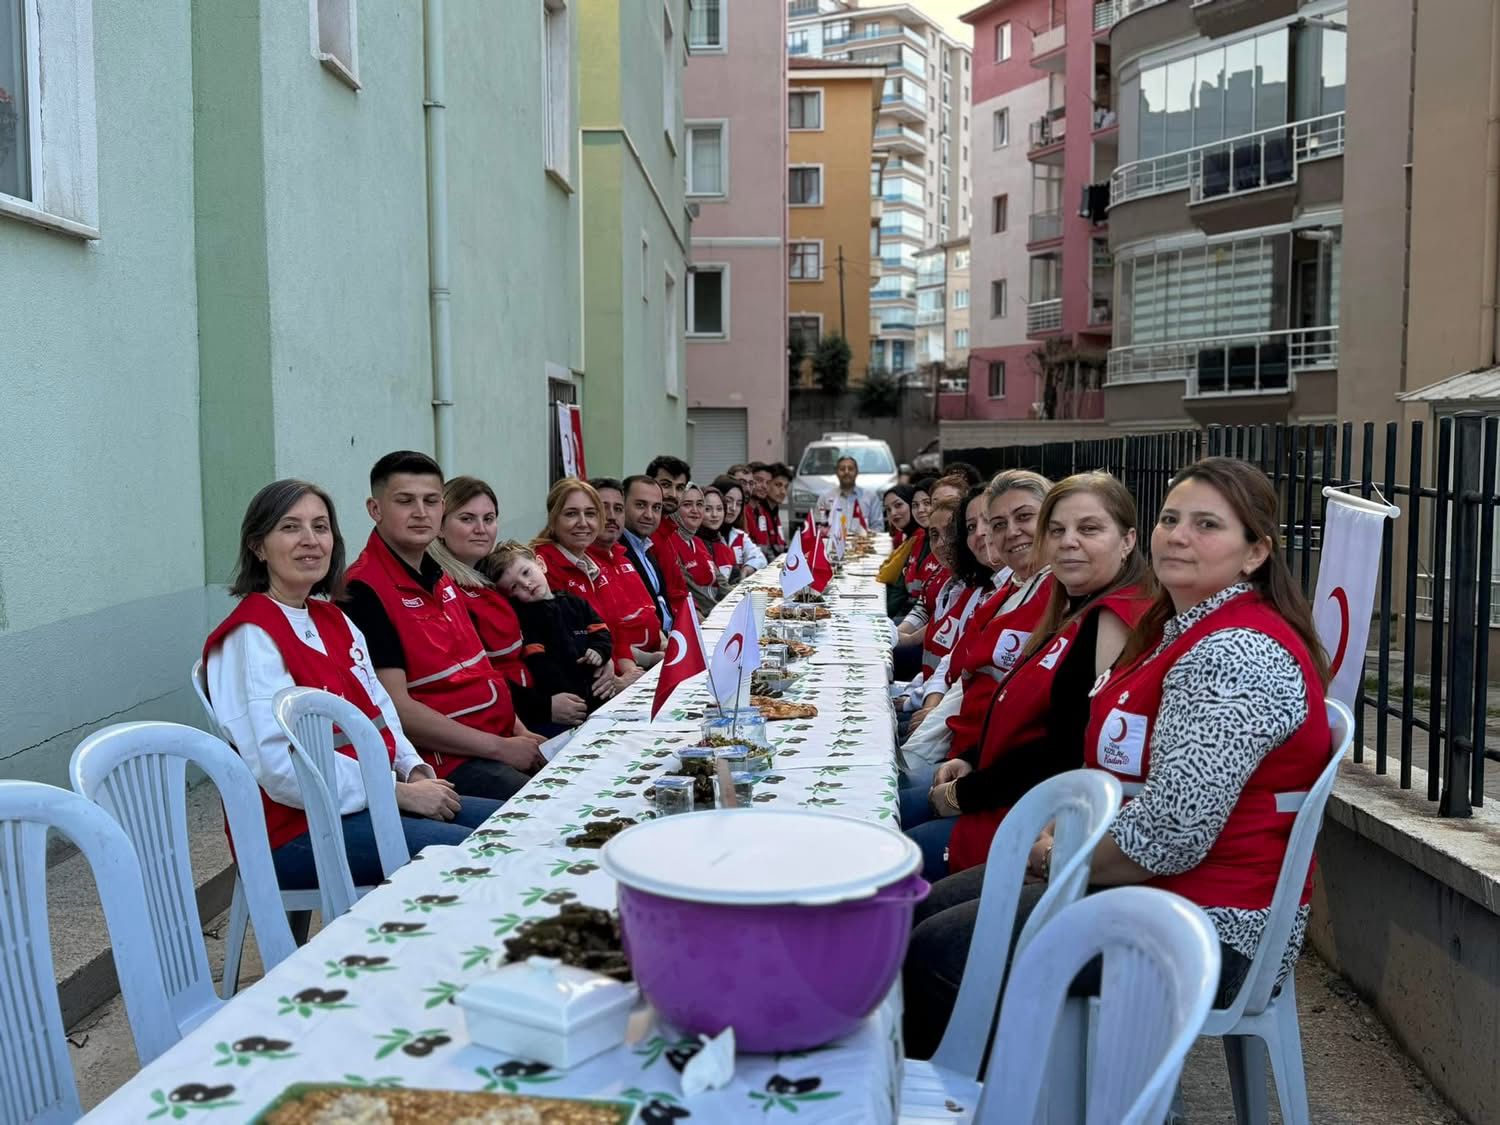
796 568
736 655
684 658
1348 572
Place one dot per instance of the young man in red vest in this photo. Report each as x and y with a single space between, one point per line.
453 705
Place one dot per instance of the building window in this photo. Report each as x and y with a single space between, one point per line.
706 26
557 86
670 333
960 298
960 337
669 84
796 42
805 109
960 259
999 214
806 260
18 67
707 173
1002 41
708 301
805 186
997 378
807 329
966 65
999 299
1002 128
837 31
337 46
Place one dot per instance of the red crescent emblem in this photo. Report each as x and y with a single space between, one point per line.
1012 642
735 643
1124 730
794 564
1342 598
1057 646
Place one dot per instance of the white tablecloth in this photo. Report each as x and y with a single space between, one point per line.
368 1000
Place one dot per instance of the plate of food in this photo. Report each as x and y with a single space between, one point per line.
776 710
310 1103
785 612
796 649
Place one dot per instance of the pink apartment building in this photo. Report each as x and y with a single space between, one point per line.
1041 281
735 106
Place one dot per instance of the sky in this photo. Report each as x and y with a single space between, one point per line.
946 12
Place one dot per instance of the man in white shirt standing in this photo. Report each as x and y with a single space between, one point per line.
848 507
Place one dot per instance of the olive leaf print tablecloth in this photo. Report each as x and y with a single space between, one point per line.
369 1000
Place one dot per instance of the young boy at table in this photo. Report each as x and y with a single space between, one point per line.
565 641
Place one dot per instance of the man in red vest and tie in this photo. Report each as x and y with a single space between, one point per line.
453 705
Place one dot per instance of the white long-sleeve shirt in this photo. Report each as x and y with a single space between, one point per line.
746 553
244 675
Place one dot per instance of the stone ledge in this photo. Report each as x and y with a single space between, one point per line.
1461 854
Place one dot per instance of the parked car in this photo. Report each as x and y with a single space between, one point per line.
877 469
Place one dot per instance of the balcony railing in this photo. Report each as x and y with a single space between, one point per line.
1245 163
900 135
796 10
1045 225
1101 312
1105 13
914 99
929 316
1045 42
1048 129
1131 7
1044 316
1244 363
796 48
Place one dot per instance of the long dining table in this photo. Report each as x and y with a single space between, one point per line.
369 1000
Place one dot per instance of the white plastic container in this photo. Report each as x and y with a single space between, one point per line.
543 1010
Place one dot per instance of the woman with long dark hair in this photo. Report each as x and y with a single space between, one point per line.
903 528
747 554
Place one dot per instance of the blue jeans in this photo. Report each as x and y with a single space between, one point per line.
295 870
932 837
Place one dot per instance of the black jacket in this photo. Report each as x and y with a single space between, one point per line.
557 632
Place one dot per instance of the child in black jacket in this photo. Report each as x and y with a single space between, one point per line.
566 642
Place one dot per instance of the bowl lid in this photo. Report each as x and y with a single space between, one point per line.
748 857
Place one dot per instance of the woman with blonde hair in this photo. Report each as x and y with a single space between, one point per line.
574 513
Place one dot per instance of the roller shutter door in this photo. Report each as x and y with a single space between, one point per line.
718 441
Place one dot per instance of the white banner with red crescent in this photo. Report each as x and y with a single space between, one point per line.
735 656
570 437
1348 570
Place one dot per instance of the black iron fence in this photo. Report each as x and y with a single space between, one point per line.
1426 683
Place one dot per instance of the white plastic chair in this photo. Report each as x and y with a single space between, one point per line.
36 1074
1160 973
1259 1023
137 772
1081 804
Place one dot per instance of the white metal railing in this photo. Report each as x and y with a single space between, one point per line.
1238 164
1106 12
1045 225
1044 316
1131 7
929 316
1241 363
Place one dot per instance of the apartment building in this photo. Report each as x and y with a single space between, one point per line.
735 101
833 240
1226 206
943 316
922 132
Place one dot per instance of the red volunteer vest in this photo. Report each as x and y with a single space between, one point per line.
669 563
626 607
1244 863
691 553
955 604
332 671
566 576
446 667
773 523
1018 717
757 526
499 631
724 557
986 655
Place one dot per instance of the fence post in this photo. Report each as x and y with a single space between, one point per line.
1459 746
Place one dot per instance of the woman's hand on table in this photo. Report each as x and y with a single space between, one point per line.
428 797
952 770
568 709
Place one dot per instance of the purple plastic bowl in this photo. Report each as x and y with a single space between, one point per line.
786 978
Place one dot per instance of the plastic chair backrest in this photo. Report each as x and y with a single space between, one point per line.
36 1074
137 772
1081 804
1265 968
199 677
308 716
1161 970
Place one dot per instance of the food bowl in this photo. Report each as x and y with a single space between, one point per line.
725 923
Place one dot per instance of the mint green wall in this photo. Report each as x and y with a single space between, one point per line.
633 186
99 370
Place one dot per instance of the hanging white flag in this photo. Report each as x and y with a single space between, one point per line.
1348 569
735 656
796 568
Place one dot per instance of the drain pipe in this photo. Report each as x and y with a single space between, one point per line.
1489 280
437 235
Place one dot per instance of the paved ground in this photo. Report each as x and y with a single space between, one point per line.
1355 1072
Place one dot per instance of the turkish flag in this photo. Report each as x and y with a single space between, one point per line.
822 569
684 658
796 568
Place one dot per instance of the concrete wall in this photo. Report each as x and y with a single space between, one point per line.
746 230
99 358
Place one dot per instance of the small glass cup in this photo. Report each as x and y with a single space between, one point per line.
808 633
674 795
759 761
774 657
744 790
738 758
696 753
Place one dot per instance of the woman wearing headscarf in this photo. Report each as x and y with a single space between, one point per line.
903 528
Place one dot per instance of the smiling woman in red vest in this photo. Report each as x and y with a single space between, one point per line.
286 632
1035 726
678 537
453 703
1212 712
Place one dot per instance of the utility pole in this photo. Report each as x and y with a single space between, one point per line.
843 327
